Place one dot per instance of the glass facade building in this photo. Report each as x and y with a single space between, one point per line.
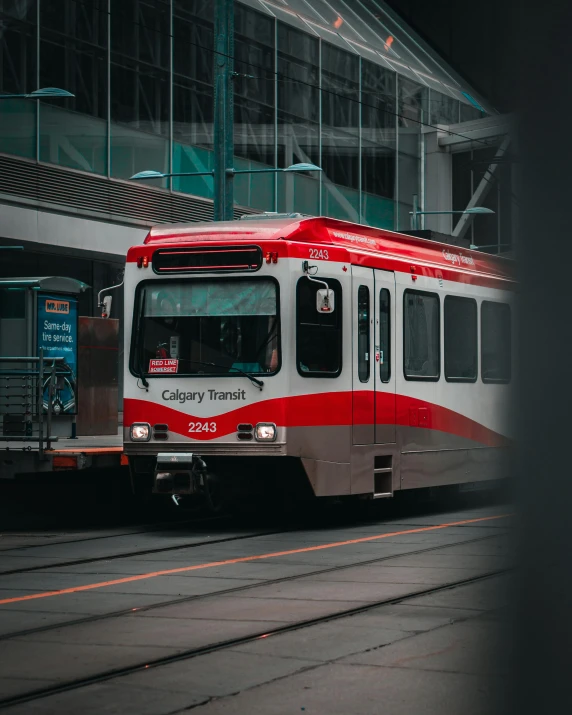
341 84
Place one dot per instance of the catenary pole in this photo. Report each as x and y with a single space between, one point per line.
223 109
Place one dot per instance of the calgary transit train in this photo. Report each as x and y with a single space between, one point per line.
315 357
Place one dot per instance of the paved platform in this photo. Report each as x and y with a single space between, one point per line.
402 616
95 442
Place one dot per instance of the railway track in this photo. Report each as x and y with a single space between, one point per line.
139 552
159 526
143 529
236 589
191 653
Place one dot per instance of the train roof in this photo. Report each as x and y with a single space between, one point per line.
358 240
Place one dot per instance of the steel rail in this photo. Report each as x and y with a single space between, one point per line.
243 640
237 589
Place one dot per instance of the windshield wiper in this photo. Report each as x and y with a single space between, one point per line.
139 366
254 380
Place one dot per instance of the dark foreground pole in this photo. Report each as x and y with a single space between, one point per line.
542 597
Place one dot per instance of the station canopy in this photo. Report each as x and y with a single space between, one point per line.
371 29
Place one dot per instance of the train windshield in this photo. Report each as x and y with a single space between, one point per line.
212 327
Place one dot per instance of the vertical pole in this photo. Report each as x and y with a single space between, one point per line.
108 112
276 113
360 187
171 92
414 215
472 239
396 177
223 109
38 79
40 396
320 152
425 119
51 385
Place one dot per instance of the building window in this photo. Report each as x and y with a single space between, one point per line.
340 117
140 88
421 353
495 342
363 333
298 118
378 126
460 339
384 336
411 110
18 70
318 335
443 109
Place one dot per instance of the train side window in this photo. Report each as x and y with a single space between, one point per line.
421 350
318 335
461 339
495 342
384 336
363 333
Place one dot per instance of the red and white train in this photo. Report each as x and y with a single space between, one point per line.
316 355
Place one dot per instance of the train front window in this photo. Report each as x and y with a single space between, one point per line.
206 327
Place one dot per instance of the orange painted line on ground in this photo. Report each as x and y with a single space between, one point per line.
244 559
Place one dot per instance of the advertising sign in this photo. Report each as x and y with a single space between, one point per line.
57 335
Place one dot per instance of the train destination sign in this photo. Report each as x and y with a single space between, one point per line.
163 366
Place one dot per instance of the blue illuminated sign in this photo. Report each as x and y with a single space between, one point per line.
57 335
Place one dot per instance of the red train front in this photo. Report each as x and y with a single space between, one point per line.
312 356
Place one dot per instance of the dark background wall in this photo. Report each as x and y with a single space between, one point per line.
473 37
481 41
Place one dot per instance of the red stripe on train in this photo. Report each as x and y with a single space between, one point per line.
324 409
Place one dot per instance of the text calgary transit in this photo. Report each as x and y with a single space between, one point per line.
182 397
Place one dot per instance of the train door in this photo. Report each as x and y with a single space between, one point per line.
383 366
363 370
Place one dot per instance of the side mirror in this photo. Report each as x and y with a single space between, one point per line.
325 300
106 306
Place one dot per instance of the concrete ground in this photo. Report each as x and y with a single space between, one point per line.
405 615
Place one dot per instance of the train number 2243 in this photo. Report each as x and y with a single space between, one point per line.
319 253
202 426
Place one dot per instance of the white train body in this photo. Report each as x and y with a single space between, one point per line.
384 360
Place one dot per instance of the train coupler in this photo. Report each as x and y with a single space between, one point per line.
179 473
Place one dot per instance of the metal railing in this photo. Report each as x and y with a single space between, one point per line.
27 388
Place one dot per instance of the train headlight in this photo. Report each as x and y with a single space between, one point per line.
140 432
265 432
